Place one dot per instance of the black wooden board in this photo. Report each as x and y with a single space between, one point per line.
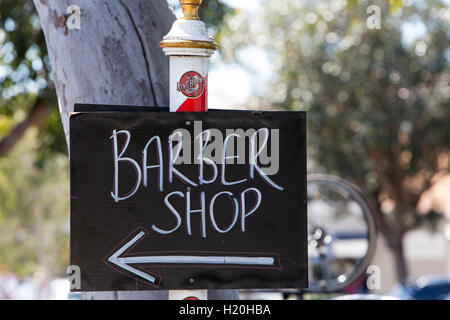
133 244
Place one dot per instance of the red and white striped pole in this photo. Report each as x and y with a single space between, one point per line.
189 47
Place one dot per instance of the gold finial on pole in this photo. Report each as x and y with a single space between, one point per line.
190 9
189 31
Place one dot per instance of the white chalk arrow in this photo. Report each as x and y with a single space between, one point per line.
126 262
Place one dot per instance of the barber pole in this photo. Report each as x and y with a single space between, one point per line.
189 47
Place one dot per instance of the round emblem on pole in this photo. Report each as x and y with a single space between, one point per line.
191 84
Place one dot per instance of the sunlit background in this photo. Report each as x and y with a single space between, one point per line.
378 103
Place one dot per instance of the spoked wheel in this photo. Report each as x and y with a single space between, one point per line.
341 233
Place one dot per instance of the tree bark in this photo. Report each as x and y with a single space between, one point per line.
114 58
393 233
395 243
400 264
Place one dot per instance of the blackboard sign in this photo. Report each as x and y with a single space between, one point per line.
212 200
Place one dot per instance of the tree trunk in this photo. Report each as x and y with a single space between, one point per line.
395 243
35 117
400 263
114 58
393 237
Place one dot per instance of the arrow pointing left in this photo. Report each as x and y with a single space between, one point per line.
267 261
124 264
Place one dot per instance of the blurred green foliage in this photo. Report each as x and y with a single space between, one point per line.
34 176
378 100
34 210
25 74
212 12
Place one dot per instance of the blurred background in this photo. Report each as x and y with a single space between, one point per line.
373 76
